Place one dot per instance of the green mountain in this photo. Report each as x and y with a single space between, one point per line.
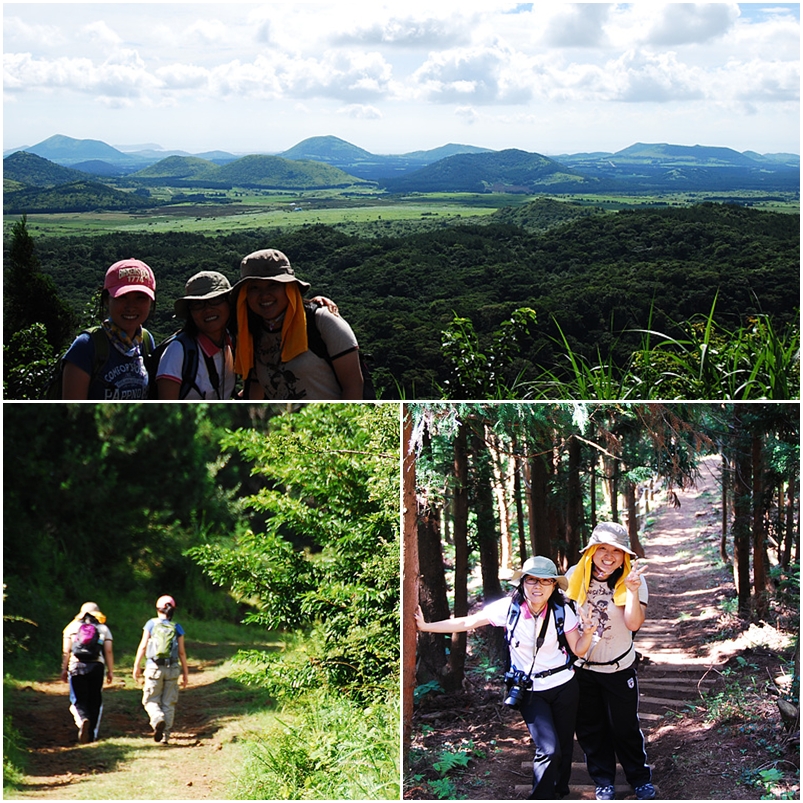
332 150
276 172
502 171
67 150
35 171
672 155
177 167
271 172
82 196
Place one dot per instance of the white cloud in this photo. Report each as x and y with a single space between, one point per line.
578 26
358 111
686 23
100 32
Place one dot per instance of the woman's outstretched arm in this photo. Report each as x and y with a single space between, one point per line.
457 625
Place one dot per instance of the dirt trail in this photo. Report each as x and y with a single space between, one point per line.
126 763
680 661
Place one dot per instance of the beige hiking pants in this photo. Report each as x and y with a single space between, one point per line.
160 694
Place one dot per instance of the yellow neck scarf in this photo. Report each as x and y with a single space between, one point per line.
581 577
294 330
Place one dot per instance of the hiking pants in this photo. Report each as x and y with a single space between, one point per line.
608 726
160 694
86 701
550 715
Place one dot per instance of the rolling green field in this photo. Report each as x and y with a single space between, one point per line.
245 210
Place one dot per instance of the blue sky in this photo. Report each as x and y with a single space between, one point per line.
397 77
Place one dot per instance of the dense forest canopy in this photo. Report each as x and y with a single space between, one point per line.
596 280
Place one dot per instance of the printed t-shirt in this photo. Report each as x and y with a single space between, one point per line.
172 361
612 637
307 376
550 655
120 377
104 635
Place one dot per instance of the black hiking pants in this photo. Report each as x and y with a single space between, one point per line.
86 688
608 726
550 716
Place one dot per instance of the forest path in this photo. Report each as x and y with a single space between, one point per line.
126 764
681 653
682 615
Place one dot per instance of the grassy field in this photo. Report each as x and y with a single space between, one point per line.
267 209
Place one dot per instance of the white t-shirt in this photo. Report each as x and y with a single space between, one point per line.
522 648
612 638
104 635
172 362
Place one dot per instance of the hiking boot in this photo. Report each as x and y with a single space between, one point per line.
84 732
158 731
605 792
645 792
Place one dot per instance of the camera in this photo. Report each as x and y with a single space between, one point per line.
517 683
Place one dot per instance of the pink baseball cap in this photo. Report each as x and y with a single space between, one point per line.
129 276
165 600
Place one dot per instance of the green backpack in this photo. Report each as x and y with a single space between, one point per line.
163 642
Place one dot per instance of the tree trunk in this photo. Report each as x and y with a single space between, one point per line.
501 474
432 592
742 513
592 484
574 505
409 584
723 539
487 537
457 653
789 529
517 468
540 505
632 519
760 560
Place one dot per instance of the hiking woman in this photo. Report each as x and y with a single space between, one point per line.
162 645
86 656
108 362
286 349
205 310
541 678
198 363
608 582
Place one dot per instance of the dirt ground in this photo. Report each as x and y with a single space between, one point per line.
690 647
126 763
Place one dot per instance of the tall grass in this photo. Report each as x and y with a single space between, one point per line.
754 361
325 747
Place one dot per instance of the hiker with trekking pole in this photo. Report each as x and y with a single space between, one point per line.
86 657
543 637
162 646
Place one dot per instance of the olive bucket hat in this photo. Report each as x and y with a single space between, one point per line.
268 264
204 285
540 567
611 533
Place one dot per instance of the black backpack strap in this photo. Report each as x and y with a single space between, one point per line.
513 614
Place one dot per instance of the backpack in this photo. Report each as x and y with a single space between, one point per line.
318 347
52 390
163 642
189 368
87 643
559 611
